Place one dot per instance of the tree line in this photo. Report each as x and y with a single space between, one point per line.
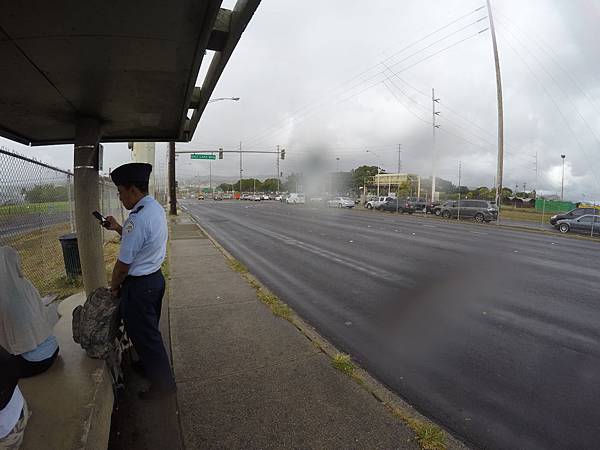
353 181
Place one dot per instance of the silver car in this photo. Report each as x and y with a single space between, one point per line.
340 202
588 224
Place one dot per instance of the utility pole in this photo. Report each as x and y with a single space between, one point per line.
459 173
399 159
278 156
241 170
172 188
562 183
337 175
500 168
434 115
536 173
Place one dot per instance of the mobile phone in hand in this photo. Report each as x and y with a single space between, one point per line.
101 219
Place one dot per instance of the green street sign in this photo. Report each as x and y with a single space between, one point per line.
203 156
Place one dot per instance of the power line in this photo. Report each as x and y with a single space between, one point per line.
310 108
556 105
558 85
553 57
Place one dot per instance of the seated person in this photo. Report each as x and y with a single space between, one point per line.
25 323
13 408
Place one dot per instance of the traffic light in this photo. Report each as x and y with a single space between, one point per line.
283 153
220 153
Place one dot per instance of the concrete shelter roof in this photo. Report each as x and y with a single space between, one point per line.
132 65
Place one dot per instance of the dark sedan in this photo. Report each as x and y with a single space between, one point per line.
588 224
393 205
573 214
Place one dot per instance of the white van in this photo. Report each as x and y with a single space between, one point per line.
295 199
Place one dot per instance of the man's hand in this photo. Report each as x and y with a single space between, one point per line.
118 276
112 224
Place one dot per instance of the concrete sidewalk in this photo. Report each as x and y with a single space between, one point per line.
249 379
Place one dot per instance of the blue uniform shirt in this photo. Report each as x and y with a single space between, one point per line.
144 237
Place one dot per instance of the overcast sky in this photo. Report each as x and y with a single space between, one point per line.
317 78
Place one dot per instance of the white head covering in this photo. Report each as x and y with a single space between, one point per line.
24 321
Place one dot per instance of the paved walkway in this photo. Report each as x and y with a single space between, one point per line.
249 379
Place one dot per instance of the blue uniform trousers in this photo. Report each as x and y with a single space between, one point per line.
141 302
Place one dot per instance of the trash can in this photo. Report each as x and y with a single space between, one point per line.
70 251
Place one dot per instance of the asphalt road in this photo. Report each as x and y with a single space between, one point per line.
491 332
14 225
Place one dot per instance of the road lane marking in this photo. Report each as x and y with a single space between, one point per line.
348 262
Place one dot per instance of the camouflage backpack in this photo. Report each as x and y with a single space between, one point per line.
97 328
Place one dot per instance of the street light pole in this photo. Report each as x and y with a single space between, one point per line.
241 170
562 183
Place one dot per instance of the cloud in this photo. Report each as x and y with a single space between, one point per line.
296 73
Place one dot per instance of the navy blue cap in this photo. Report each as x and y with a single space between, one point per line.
131 173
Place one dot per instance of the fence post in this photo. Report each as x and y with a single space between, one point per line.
70 194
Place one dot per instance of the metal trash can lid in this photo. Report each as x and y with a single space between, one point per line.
68 237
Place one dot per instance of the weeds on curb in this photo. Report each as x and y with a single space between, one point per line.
277 306
343 363
429 436
237 266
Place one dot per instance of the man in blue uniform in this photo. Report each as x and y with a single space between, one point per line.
137 277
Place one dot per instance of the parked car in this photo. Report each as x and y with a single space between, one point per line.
480 210
265 197
587 224
420 204
393 205
295 199
279 198
200 196
245 197
437 210
573 214
218 197
256 197
227 196
340 202
376 202
430 207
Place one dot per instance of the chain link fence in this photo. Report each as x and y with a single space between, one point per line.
36 208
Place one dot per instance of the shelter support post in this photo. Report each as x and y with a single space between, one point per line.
172 184
87 199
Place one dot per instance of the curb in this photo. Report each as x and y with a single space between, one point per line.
397 406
